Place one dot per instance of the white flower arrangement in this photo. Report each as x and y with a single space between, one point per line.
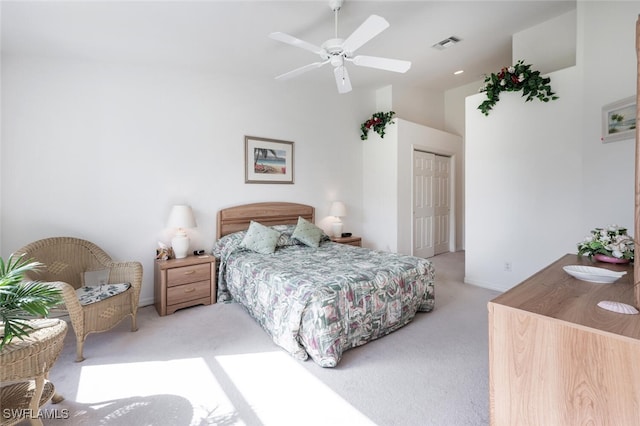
611 241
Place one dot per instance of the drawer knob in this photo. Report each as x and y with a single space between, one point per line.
190 290
190 272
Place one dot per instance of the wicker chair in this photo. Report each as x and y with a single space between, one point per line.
65 260
24 368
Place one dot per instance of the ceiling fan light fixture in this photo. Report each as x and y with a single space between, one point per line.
337 50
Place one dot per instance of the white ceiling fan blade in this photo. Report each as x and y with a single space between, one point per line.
370 28
300 70
286 38
342 79
386 64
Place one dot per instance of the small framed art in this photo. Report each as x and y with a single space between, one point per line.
619 120
267 160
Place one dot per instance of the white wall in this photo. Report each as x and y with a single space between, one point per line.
380 189
419 106
523 183
388 177
607 58
454 107
101 151
538 180
550 46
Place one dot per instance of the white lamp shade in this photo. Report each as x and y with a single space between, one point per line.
338 209
181 216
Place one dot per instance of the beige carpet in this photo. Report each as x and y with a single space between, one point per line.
214 365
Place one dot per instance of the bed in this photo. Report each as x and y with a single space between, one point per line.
315 301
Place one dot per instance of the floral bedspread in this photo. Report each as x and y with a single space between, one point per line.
319 302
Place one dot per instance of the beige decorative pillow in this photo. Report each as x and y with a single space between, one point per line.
307 233
260 238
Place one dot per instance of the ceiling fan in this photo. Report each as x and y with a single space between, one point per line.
337 51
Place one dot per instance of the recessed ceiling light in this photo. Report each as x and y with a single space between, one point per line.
458 72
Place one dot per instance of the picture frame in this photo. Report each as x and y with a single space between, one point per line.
619 120
267 160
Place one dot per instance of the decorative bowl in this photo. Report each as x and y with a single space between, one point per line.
593 274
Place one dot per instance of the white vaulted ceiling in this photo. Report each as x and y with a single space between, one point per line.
232 36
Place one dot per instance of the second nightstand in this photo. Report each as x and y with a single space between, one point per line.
180 283
352 241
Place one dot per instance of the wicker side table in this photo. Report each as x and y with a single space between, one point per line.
24 367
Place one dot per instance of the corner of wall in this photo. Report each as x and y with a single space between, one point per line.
550 46
384 98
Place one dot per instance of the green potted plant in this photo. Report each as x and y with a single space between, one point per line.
21 300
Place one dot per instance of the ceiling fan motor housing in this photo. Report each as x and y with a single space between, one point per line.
333 46
335 4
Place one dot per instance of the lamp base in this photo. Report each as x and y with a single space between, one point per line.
180 245
337 229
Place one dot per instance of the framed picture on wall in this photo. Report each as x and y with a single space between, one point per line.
619 120
267 160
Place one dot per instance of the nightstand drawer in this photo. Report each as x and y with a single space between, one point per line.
182 283
188 274
186 292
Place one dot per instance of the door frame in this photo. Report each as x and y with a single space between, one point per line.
452 190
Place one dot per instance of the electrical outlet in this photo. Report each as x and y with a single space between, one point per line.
507 266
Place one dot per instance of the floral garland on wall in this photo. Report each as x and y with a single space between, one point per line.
512 79
377 122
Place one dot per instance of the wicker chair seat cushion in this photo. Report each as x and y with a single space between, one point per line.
87 295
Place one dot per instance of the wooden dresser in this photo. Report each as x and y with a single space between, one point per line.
555 358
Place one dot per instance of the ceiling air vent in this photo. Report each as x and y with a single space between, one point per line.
446 43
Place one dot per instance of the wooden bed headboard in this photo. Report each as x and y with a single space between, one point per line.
238 218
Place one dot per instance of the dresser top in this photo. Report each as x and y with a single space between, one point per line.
553 293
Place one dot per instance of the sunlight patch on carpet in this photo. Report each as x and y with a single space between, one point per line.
188 378
280 391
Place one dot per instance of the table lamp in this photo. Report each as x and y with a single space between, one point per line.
181 217
338 210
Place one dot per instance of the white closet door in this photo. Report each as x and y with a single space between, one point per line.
442 203
423 206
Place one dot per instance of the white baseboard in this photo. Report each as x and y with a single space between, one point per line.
483 284
146 302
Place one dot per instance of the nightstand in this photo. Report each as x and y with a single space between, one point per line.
181 283
352 241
